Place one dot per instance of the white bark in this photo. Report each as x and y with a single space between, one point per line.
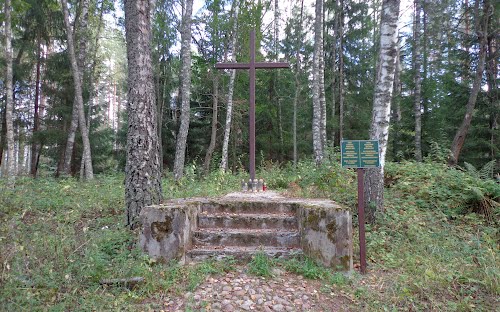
229 110
87 173
9 106
374 182
316 123
417 107
180 148
82 47
298 87
322 96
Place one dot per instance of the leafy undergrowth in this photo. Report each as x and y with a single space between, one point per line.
435 248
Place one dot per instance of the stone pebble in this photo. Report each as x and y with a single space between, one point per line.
238 291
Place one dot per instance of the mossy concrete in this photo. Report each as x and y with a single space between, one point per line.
324 227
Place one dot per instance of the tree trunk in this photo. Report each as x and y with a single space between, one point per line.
213 136
82 45
229 110
36 117
180 148
322 96
396 107
341 71
458 141
88 173
493 93
316 123
298 87
9 106
374 181
142 170
277 79
417 64
3 134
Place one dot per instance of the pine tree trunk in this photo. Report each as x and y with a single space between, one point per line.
180 148
213 136
142 170
459 140
88 173
9 106
386 66
229 110
417 107
316 123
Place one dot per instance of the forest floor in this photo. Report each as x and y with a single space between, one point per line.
435 248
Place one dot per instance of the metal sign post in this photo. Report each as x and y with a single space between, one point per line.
360 154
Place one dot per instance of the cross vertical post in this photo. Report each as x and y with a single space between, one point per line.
252 66
251 117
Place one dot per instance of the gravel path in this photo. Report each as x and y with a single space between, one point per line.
238 291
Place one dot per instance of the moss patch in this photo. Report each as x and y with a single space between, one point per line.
161 229
313 218
331 230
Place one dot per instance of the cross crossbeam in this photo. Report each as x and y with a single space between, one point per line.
252 66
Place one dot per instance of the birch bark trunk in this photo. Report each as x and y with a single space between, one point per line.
9 103
482 34
36 117
298 87
87 173
417 66
341 72
180 148
142 170
316 122
229 110
386 65
76 119
322 96
396 107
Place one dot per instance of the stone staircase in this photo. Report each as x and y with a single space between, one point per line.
242 229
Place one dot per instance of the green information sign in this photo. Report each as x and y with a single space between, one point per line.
360 154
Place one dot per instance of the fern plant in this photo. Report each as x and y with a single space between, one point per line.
484 173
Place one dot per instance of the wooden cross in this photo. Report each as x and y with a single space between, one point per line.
252 66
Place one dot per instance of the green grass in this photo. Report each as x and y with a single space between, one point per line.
433 249
261 265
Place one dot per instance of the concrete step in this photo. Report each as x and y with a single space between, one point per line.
248 221
199 254
247 208
220 237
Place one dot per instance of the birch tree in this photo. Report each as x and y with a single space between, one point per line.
298 86
82 46
87 172
417 64
9 105
142 169
316 89
379 130
180 148
229 109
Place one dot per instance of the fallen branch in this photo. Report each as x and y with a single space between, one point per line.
130 282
